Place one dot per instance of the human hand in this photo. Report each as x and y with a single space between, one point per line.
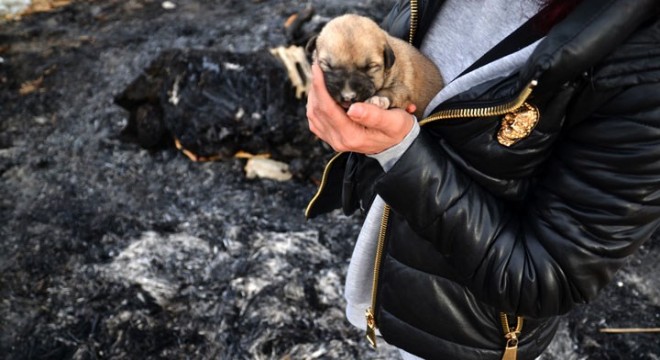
364 128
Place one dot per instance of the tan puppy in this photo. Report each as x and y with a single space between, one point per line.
361 62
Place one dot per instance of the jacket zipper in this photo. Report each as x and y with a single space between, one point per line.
371 311
483 111
511 336
414 14
324 179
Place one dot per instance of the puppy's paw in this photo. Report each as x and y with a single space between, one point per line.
380 101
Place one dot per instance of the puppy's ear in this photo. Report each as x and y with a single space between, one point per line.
311 45
388 56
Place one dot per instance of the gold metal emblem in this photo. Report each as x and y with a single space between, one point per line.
518 124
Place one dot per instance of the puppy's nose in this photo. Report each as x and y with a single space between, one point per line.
348 96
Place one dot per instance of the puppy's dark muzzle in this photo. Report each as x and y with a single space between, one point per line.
347 87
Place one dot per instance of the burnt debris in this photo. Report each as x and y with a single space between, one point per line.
214 104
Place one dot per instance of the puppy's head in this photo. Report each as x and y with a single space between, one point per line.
355 57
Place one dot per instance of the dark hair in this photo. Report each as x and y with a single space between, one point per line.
555 11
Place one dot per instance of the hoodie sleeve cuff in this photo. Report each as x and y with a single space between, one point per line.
388 157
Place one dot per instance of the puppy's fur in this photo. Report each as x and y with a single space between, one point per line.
361 62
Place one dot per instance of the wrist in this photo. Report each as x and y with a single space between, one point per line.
388 157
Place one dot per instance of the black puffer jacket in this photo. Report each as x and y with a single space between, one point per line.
477 225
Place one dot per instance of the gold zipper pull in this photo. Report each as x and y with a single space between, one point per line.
511 350
371 327
511 336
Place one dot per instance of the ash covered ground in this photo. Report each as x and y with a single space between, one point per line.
108 250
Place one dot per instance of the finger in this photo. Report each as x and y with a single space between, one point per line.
411 108
318 79
393 122
320 92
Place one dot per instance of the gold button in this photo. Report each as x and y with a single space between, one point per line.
518 124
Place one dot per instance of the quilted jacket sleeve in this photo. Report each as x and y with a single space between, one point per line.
597 201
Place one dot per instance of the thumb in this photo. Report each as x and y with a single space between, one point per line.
367 115
357 112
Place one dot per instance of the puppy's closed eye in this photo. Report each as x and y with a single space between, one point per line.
325 65
373 67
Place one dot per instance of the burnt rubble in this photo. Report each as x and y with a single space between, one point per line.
216 104
129 250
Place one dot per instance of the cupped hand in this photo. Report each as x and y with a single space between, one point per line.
364 128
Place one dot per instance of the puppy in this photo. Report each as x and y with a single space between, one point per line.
362 63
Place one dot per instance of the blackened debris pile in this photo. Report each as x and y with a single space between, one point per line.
213 104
